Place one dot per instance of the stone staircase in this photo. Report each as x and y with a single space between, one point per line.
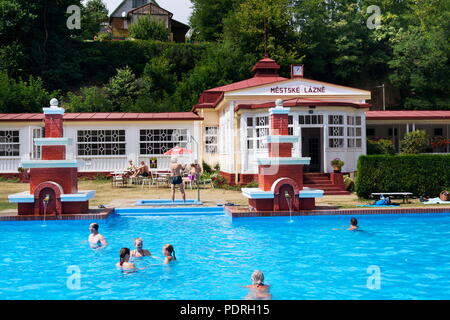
322 181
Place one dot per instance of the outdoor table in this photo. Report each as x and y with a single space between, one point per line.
405 195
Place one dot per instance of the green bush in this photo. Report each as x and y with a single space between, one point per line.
206 167
146 28
382 146
420 174
414 142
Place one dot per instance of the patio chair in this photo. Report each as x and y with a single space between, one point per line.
164 180
207 181
149 181
118 178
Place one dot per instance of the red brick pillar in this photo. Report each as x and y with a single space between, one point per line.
54 129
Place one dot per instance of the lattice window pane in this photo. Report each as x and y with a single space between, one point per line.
9 143
336 143
101 142
158 141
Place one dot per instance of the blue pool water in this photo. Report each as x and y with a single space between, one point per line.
305 259
162 202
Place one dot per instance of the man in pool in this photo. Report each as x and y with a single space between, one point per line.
353 224
258 290
96 240
176 171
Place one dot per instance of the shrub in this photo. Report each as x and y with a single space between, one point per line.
414 142
206 167
381 146
420 174
104 36
147 28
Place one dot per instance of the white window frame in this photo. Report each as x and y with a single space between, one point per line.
166 144
102 143
260 125
337 130
211 139
6 142
354 139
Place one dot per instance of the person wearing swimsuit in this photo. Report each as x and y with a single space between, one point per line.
139 251
124 260
96 240
169 253
258 290
176 170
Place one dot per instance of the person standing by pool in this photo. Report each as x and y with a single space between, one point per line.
139 251
258 290
169 253
95 239
353 224
124 260
195 171
176 170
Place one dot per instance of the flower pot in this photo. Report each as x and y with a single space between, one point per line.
336 170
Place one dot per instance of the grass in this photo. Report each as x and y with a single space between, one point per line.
127 196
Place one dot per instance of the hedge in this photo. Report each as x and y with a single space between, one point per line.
421 174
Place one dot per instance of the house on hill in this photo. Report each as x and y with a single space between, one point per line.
129 11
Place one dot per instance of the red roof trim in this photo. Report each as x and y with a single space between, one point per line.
408 115
105 116
303 102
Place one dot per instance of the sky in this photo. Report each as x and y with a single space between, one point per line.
181 9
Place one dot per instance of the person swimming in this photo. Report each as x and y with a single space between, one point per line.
258 290
169 253
95 239
139 251
353 224
124 260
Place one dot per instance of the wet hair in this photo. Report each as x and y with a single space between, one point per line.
353 222
139 238
171 250
95 226
123 253
257 277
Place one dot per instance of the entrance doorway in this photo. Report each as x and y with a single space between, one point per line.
312 147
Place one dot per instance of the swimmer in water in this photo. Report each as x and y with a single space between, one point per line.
139 251
353 224
96 240
169 253
258 290
124 260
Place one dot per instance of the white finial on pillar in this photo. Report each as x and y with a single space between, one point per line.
278 103
54 103
54 108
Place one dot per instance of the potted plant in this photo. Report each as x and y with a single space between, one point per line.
337 165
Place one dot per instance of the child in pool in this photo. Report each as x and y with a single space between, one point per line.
124 260
169 253
258 290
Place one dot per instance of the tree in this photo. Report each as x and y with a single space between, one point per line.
122 90
414 142
90 99
246 28
23 96
147 28
207 18
94 12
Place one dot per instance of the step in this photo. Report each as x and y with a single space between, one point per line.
316 174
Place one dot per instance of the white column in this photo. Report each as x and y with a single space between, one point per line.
325 140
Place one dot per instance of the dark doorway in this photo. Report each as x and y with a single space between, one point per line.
312 147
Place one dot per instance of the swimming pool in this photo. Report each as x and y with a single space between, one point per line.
305 259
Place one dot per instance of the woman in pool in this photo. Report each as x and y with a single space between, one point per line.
169 253
124 260
139 251
258 290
